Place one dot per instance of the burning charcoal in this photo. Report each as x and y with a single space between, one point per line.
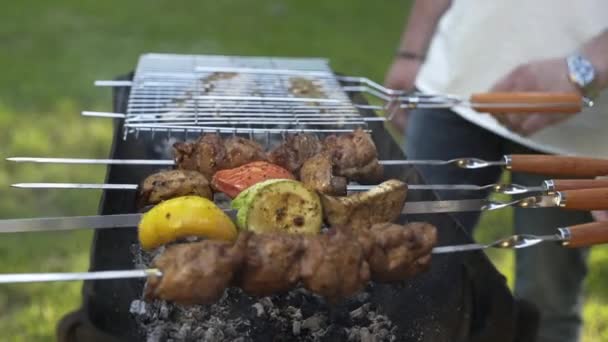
213 335
183 332
198 333
259 309
165 311
138 307
366 336
313 323
357 313
335 333
353 334
296 327
159 334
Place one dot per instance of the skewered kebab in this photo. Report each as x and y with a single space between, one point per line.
547 186
335 265
548 165
353 155
583 235
585 199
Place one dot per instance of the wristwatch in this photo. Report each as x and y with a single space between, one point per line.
582 73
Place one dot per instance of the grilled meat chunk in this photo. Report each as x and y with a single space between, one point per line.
241 151
272 264
382 203
205 155
196 273
335 265
210 153
294 151
355 157
173 183
317 174
399 253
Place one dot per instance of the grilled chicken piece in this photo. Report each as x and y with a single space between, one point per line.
272 264
335 265
355 156
173 183
196 273
210 153
295 150
382 203
317 174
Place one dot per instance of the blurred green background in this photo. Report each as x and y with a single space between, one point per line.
52 51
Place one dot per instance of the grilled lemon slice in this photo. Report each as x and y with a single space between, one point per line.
182 217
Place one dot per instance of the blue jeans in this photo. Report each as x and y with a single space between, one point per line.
547 275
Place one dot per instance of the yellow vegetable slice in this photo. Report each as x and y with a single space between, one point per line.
182 217
279 205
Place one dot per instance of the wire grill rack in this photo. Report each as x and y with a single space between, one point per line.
233 94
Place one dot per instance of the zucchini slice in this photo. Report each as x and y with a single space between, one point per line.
279 205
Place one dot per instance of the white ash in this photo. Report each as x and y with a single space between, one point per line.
295 316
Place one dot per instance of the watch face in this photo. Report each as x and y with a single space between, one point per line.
581 70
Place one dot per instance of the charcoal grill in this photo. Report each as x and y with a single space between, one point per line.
461 298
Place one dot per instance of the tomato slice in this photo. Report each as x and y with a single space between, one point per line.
233 181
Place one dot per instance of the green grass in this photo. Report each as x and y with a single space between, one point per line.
52 51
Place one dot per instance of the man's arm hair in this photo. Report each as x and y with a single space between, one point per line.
421 25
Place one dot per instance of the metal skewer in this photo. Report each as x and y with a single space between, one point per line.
465 163
553 166
583 235
507 189
76 276
511 242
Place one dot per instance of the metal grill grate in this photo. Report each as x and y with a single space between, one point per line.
188 93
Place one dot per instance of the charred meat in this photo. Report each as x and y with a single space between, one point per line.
210 153
173 183
317 173
196 273
335 265
241 151
294 151
271 264
355 156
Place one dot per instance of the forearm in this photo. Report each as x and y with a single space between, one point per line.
421 25
596 50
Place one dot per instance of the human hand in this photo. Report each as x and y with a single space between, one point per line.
401 76
542 75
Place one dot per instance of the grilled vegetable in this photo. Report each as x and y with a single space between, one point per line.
382 203
233 181
279 205
181 217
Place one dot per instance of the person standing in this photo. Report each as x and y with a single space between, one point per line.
466 46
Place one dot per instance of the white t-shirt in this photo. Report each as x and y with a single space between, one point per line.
478 42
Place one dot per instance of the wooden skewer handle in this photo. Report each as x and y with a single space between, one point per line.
585 235
586 199
527 102
558 166
574 184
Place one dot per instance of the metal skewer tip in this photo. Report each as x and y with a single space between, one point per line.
76 276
